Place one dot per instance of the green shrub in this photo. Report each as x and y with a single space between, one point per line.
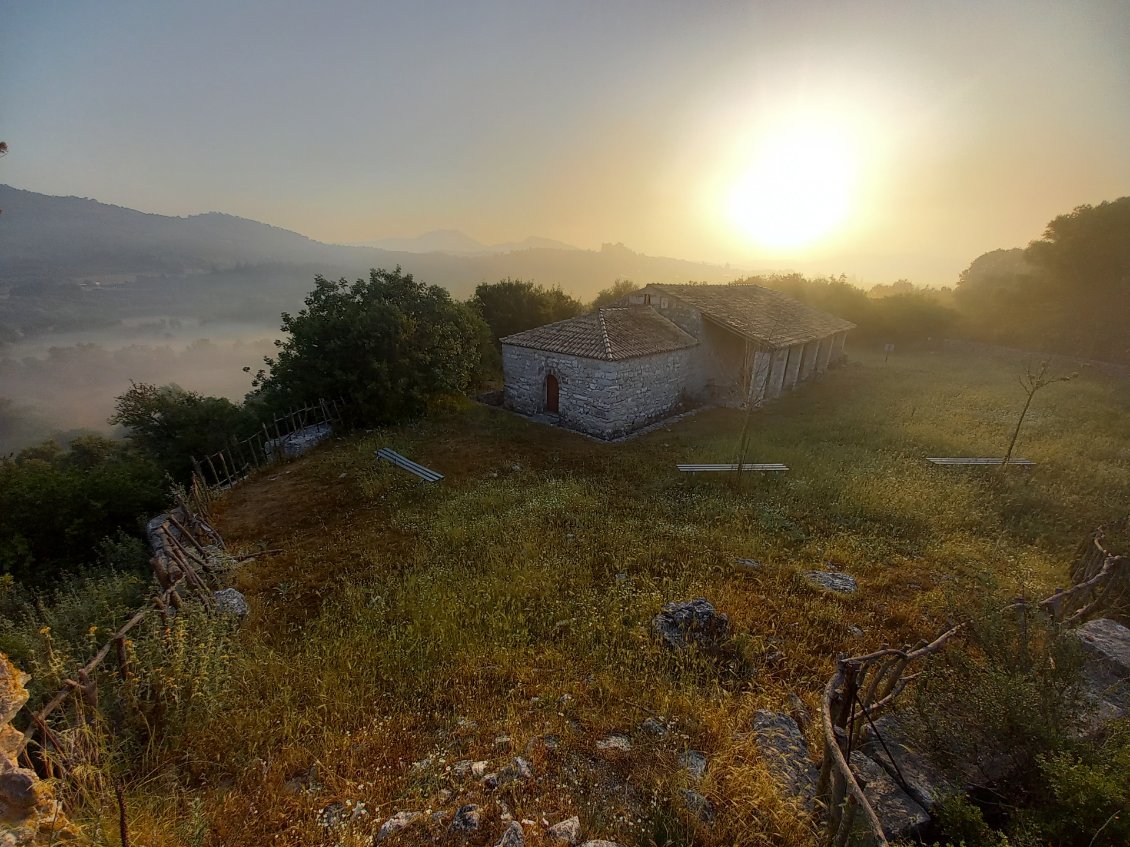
1087 799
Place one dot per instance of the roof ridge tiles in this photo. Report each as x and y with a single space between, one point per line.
604 334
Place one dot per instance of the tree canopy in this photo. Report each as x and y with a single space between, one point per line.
172 425
616 291
56 504
388 344
1069 291
514 305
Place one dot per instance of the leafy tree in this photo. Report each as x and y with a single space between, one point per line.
514 305
1083 262
172 425
618 290
1069 291
389 344
56 505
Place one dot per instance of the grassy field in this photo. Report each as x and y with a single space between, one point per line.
407 626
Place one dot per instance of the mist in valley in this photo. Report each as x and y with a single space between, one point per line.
60 385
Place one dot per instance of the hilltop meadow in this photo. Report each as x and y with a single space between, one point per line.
402 627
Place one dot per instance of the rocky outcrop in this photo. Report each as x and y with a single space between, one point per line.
230 602
1106 645
29 813
692 622
900 816
841 583
785 752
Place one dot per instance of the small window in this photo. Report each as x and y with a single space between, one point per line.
647 299
662 302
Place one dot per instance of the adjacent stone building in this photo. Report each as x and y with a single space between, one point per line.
668 347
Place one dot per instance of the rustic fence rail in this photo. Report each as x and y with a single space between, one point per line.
186 551
240 457
865 687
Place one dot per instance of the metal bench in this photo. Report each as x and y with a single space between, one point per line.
769 466
941 460
425 474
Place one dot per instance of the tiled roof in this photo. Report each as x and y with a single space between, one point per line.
760 314
623 332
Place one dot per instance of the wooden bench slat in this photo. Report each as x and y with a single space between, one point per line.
772 466
957 460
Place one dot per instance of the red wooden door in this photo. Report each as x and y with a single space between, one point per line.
551 393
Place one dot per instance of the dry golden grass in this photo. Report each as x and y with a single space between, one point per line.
405 621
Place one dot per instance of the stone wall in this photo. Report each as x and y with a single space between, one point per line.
723 363
605 399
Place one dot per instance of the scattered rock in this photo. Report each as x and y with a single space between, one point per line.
567 831
298 442
1107 671
332 816
13 694
615 744
621 578
512 836
230 602
698 805
683 623
855 631
799 712
749 564
694 763
302 782
654 726
502 742
479 769
18 789
490 781
839 582
443 797
548 743
599 842
517 770
785 752
913 772
394 824
467 818
899 815
461 769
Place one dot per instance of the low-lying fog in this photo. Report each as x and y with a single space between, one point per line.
59 383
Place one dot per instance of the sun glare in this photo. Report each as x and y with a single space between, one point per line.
797 190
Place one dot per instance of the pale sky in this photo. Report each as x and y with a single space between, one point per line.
882 140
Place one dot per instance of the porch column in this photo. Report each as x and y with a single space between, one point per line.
792 372
777 373
808 363
824 353
759 379
838 345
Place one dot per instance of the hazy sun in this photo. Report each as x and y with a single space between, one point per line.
797 190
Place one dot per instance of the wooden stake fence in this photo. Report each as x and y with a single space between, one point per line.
181 564
864 688
226 467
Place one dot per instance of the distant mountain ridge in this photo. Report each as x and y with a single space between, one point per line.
456 242
70 261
